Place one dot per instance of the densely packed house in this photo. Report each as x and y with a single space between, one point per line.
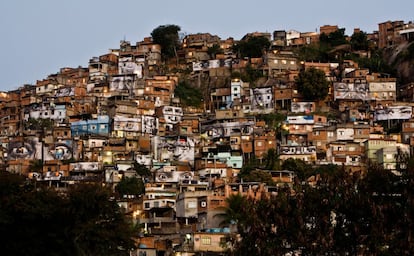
94 124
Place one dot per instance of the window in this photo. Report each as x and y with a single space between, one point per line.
205 240
259 143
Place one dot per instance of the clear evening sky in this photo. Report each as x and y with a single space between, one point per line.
38 37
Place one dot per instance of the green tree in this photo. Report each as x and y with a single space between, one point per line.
213 50
359 41
258 176
32 221
312 84
311 53
167 36
376 63
188 95
333 39
40 221
271 158
142 170
130 186
36 165
234 210
98 226
251 74
253 47
38 124
302 169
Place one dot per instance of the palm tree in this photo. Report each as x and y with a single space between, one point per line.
233 213
272 159
36 165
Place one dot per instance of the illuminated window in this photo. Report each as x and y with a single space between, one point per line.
206 240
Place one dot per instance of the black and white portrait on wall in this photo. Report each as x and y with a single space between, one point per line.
393 112
127 66
177 148
29 148
122 83
352 91
149 125
261 98
303 107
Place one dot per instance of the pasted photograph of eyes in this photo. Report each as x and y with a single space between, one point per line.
164 176
186 176
21 150
405 110
61 151
342 87
361 88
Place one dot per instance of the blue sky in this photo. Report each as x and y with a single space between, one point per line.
40 37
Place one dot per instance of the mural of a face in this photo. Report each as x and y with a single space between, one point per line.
183 151
126 65
178 149
61 151
302 107
174 176
262 98
120 83
22 149
351 91
149 124
393 112
62 92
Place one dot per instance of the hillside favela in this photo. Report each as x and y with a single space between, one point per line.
282 143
